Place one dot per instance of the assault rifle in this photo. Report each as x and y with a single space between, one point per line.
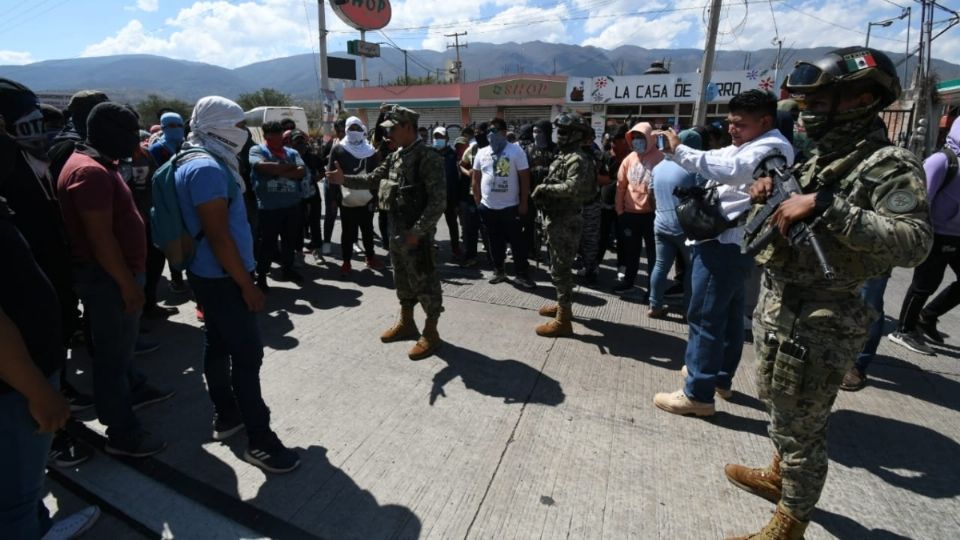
785 184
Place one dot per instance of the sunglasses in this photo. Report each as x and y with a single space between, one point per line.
807 77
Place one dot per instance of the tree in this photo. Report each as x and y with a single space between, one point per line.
150 108
264 97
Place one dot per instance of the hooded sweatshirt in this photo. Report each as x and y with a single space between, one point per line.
634 191
945 205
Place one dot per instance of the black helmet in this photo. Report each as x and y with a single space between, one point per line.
573 120
843 66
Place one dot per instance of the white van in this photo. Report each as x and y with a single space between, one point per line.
261 115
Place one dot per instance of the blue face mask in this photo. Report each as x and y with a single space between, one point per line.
639 145
173 135
439 143
497 142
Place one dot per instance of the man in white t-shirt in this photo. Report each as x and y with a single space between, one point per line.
501 186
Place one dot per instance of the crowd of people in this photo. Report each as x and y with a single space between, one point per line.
92 208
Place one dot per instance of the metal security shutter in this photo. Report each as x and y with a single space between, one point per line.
482 114
439 116
525 115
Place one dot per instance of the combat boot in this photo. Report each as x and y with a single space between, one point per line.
782 526
404 328
549 310
764 483
428 342
558 327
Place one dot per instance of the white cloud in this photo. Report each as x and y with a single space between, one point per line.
148 5
15 58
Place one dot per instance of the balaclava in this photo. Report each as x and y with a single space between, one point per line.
113 130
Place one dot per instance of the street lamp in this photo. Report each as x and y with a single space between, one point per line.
406 77
870 25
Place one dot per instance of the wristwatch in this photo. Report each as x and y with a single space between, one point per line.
822 201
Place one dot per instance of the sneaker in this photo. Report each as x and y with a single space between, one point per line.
469 263
674 291
154 311
498 277
345 269
358 249
622 287
621 273
929 329
912 341
374 263
525 282
226 427
67 451
289 274
678 403
456 252
199 313
327 249
73 525
144 346
78 401
148 395
724 393
177 286
272 456
657 313
853 380
590 278
140 444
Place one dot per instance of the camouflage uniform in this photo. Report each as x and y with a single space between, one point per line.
877 220
413 194
539 159
591 212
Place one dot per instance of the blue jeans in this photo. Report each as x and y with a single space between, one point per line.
872 293
669 247
232 354
715 341
23 460
114 335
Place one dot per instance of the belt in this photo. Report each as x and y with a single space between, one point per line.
793 292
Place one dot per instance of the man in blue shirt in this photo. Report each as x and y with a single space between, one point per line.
208 189
278 175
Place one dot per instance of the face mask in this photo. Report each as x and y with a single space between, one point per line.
232 137
540 139
639 144
173 135
274 142
819 125
497 142
569 140
354 137
439 143
28 132
482 141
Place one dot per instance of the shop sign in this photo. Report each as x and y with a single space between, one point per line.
363 14
665 88
522 89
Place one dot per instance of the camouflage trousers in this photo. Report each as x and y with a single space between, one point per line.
590 237
563 237
415 274
833 328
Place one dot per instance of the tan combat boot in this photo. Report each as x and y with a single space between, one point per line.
549 310
782 526
404 328
764 483
558 327
428 342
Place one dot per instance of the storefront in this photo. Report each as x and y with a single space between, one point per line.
659 98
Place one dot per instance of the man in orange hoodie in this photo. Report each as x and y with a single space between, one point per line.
635 204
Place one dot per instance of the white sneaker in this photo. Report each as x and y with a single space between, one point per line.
74 525
358 249
327 248
621 273
912 341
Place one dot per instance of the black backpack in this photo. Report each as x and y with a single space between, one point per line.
952 167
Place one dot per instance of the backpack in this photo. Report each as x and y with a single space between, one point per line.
952 167
699 212
167 229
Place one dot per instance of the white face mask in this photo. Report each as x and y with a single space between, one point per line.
232 137
354 137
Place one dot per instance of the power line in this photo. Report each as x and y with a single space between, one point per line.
831 23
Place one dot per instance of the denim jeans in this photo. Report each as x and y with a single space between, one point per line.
23 460
872 293
113 333
669 247
715 317
504 226
232 354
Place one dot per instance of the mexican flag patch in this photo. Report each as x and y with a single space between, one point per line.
859 61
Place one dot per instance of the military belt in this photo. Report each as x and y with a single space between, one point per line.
793 293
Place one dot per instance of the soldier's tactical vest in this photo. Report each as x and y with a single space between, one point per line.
585 188
403 193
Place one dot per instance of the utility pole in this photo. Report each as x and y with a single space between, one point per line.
406 76
706 68
363 62
322 20
456 39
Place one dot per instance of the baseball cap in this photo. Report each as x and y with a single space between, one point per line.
442 131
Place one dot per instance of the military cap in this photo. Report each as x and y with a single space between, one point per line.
85 100
397 115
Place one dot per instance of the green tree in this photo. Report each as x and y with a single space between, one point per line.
150 108
264 97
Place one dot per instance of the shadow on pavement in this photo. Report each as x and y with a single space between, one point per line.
739 423
844 527
897 375
654 348
511 380
904 455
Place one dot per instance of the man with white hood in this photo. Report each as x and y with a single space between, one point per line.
209 192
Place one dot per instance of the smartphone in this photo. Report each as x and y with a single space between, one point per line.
661 142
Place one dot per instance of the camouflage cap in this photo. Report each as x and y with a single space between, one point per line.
397 115
85 100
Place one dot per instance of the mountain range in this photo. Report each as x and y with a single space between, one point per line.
132 77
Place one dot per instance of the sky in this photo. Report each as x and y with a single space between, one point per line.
237 33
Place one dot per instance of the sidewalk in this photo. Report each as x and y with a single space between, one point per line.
505 434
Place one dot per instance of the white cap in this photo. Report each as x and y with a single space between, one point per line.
441 130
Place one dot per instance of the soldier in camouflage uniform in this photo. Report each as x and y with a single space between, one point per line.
865 200
540 154
570 182
413 193
592 213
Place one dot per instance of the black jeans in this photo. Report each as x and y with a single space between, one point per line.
927 278
353 218
450 215
312 214
155 262
636 232
504 226
232 354
332 197
282 222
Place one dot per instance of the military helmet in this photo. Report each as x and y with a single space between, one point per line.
844 66
572 120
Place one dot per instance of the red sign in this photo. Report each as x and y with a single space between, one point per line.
363 14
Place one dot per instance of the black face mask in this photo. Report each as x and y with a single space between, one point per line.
482 141
113 130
